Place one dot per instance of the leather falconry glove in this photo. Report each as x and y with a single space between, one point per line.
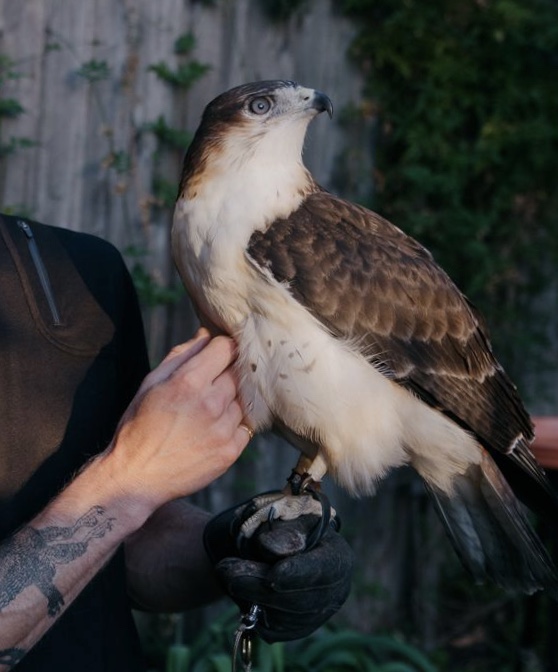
298 578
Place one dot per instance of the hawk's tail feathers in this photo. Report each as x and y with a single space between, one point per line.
528 479
492 534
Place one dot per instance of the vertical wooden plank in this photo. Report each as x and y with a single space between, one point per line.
64 112
23 40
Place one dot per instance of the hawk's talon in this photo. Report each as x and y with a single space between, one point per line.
326 520
275 506
271 515
299 483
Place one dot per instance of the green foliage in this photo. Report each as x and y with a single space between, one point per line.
328 650
466 100
120 161
15 143
188 72
164 192
9 107
8 69
281 10
171 137
337 650
17 209
184 44
94 71
150 291
184 76
178 658
173 142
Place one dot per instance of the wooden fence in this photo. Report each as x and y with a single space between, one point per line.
97 147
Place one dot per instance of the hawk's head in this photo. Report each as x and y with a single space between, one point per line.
266 120
264 104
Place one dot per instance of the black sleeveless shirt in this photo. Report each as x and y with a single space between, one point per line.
72 355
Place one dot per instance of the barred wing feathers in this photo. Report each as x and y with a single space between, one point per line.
367 281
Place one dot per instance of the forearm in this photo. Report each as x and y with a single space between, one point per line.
167 567
181 431
45 565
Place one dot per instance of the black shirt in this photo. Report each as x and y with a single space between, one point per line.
72 355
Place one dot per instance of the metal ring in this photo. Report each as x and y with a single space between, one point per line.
248 429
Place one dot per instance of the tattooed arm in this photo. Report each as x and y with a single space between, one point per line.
179 434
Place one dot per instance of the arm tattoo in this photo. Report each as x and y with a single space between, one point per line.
11 657
30 557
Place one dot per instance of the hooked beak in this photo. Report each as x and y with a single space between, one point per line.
322 103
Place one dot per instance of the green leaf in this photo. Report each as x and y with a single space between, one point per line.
220 662
170 136
94 71
164 192
281 10
277 656
7 69
178 658
389 647
10 107
120 161
396 667
329 642
183 77
184 44
15 144
150 291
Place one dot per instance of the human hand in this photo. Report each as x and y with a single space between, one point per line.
297 590
183 428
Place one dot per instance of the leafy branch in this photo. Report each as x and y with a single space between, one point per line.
171 137
172 141
183 76
187 73
150 291
94 71
11 108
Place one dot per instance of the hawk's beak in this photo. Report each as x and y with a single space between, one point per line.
322 103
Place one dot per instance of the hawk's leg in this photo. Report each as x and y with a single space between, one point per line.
301 497
307 475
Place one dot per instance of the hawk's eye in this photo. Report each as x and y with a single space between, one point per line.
259 105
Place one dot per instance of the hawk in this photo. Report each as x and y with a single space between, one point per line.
352 341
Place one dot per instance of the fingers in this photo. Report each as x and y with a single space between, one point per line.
213 358
176 357
185 428
184 351
206 357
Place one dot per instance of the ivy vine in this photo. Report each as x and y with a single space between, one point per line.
171 144
281 10
172 140
10 108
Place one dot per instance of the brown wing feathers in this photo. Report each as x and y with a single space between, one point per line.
366 280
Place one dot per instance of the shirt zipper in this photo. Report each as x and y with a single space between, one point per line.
41 272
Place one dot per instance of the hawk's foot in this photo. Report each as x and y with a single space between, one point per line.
277 506
281 524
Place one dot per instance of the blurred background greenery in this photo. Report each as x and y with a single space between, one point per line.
446 123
